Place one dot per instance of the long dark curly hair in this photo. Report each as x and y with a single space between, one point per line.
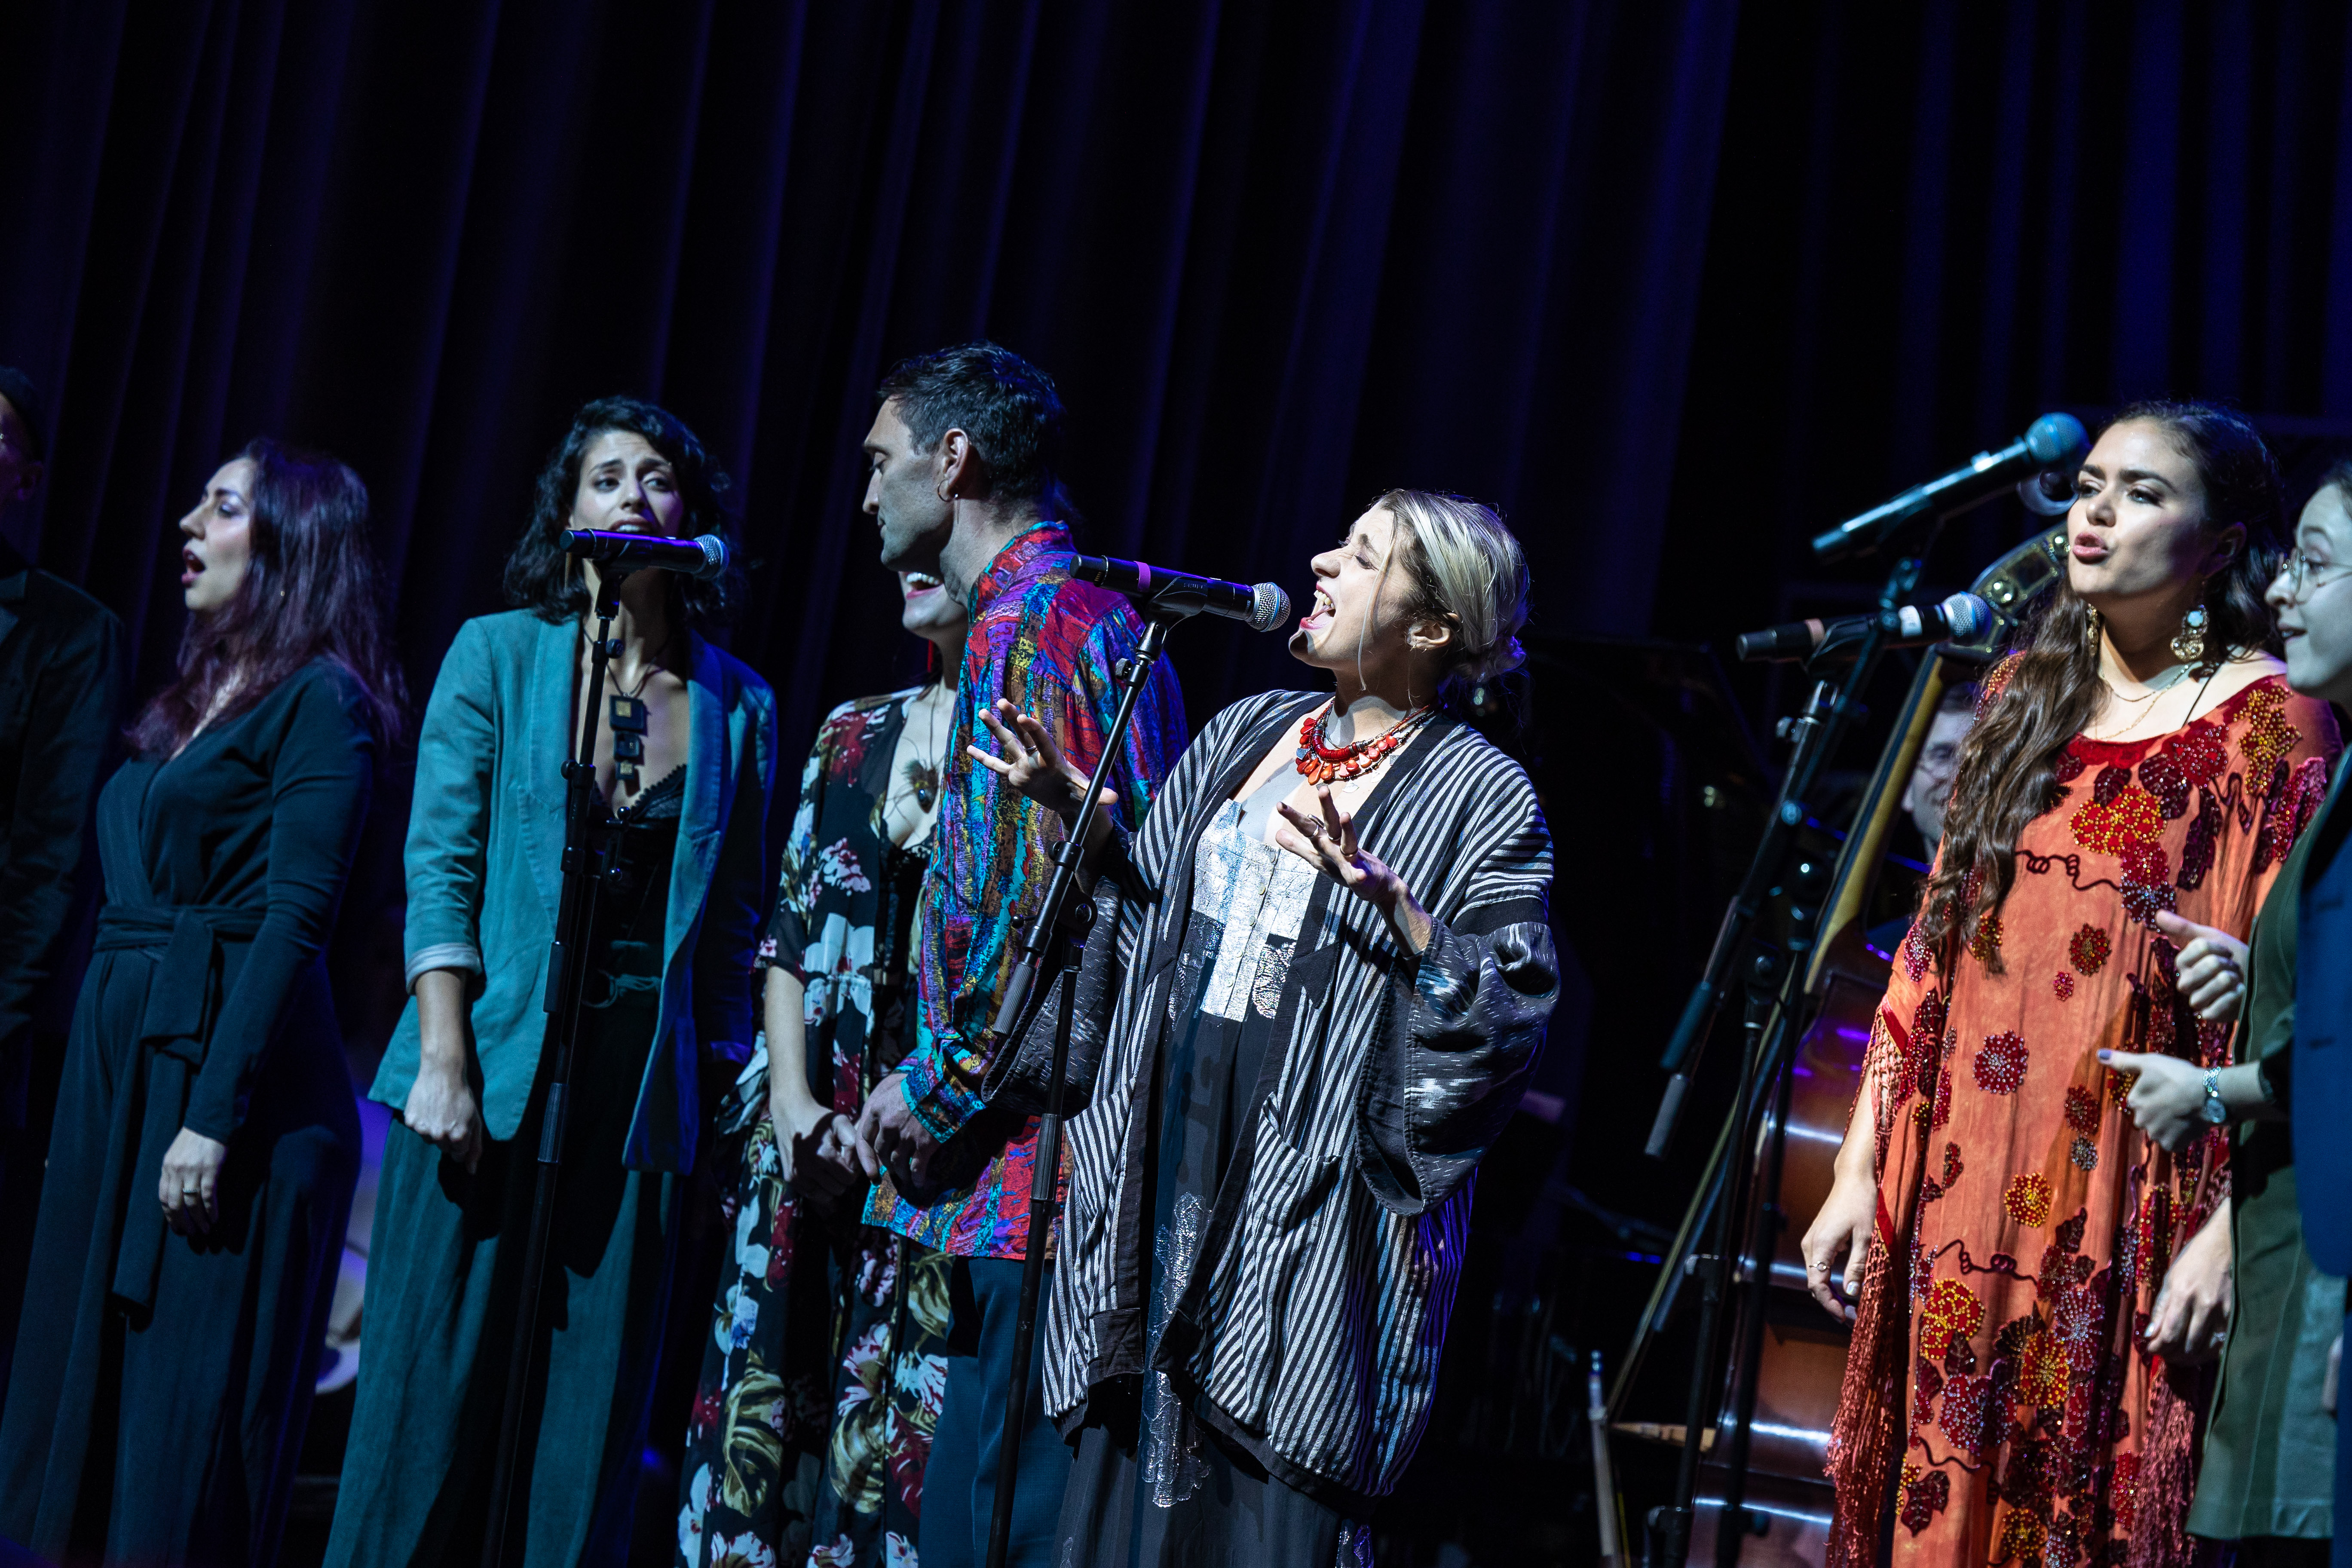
311 590
2008 765
539 577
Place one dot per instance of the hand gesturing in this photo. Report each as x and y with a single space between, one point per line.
1027 758
1330 846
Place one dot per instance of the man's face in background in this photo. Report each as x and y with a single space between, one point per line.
1931 777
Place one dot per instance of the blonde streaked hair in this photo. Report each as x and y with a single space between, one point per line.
1467 569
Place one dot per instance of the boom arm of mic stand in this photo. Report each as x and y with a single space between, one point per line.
1816 734
1045 1173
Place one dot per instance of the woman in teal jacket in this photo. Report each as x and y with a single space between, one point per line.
686 764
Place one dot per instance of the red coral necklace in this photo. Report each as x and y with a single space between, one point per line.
1324 765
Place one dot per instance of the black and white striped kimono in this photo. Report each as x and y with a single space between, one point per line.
1309 1326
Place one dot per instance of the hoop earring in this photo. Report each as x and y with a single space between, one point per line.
2188 642
2091 634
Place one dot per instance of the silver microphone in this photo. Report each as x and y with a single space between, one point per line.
1261 607
705 556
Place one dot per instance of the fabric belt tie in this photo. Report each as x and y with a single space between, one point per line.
174 1031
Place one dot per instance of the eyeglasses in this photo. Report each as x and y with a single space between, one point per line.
2303 578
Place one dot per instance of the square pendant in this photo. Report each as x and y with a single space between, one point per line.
628 748
627 713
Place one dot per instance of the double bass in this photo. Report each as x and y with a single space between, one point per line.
1798 1351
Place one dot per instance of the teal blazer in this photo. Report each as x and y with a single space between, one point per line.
485 872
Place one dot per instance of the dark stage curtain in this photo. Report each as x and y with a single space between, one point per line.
1280 257
1675 282
1935 221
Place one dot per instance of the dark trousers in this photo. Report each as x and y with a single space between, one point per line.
960 1482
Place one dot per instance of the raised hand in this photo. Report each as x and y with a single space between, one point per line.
2168 1095
2211 966
1026 758
1330 846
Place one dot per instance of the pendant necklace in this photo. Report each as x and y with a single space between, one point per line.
624 712
923 773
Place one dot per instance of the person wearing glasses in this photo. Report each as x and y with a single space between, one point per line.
2032 1278
2268 1472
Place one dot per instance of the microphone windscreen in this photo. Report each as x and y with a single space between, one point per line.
2058 441
714 555
1269 607
1967 617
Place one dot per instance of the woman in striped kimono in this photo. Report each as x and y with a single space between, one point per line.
1317 984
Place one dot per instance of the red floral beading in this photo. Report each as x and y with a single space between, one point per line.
2028 1199
2106 827
2268 737
1952 1313
1999 1064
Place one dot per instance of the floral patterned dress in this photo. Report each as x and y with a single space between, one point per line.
2024 1224
822 1377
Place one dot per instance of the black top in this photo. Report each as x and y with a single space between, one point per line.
632 915
262 813
60 684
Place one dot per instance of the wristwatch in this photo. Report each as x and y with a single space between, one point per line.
2214 1110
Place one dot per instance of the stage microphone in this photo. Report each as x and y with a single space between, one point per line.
702 557
1261 607
1961 618
2054 442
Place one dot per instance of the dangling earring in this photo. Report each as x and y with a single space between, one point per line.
2091 633
2188 642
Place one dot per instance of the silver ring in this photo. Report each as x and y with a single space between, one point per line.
1314 830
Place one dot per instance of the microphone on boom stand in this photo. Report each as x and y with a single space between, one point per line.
2056 443
1962 618
702 557
1260 606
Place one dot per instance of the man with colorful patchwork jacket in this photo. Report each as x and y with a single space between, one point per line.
961 481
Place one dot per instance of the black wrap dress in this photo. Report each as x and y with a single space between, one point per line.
162 1382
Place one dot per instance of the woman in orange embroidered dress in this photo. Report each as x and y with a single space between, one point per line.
2023 1266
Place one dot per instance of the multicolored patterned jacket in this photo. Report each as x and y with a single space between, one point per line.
1047 642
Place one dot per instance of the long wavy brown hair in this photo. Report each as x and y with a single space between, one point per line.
311 590
2007 766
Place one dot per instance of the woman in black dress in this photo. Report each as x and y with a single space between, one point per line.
206 1143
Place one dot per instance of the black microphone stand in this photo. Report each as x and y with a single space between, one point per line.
567 976
1775 1000
1049 936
